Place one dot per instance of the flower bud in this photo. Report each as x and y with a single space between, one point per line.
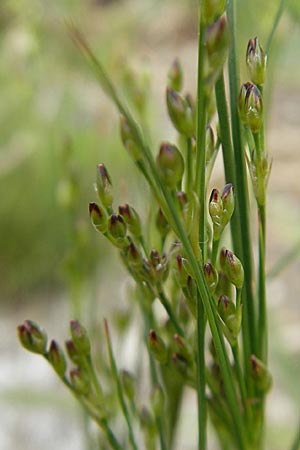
180 364
216 212
104 186
228 203
161 224
175 76
133 256
256 62
128 140
80 338
80 381
260 374
234 270
73 353
32 337
57 359
251 106
181 347
217 43
158 347
211 276
170 165
128 383
180 112
212 9
117 228
131 219
181 273
224 287
146 419
98 217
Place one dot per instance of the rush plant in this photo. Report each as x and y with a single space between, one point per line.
213 336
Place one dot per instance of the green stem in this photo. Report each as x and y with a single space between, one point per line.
166 304
201 136
201 378
249 329
262 318
275 25
119 388
214 253
296 443
240 378
189 169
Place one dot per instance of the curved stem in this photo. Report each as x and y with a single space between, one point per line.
275 25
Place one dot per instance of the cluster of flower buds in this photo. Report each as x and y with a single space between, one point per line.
221 207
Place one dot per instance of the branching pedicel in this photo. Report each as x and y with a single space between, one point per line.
197 282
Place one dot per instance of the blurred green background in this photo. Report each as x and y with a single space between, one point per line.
56 125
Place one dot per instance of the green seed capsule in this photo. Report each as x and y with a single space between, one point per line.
256 62
32 337
170 165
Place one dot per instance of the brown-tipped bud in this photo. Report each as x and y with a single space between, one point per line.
146 419
157 400
231 315
129 140
128 382
158 347
74 355
32 337
170 165
175 76
251 106
182 200
211 276
80 338
98 217
104 186
180 112
222 258
180 363
117 228
216 212
209 142
162 224
211 10
228 203
154 257
133 256
181 347
234 270
260 374
181 272
256 62
131 219
224 287
57 359
226 307
217 44
80 382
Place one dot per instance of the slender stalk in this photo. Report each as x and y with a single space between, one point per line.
201 376
201 191
166 304
249 328
275 25
240 378
262 318
119 388
189 168
296 443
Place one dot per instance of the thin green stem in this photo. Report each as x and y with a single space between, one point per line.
249 329
275 25
201 136
189 169
201 377
119 388
296 443
262 318
214 253
240 378
166 304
